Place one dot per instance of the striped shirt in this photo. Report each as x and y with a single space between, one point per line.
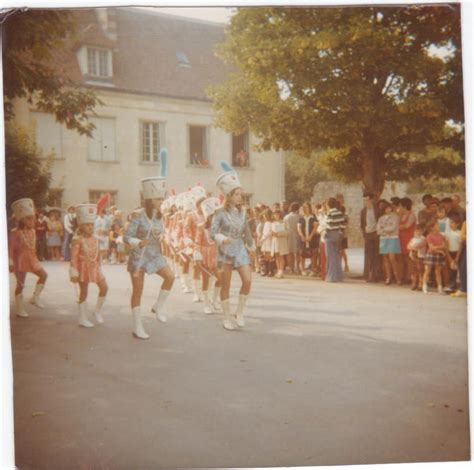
335 220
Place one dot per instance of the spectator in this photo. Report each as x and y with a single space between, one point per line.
69 229
344 241
453 241
435 257
113 236
368 224
461 262
54 236
407 231
266 243
456 207
308 232
447 203
41 228
424 215
294 240
442 219
279 242
285 208
417 246
336 225
101 232
396 203
322 216
389 244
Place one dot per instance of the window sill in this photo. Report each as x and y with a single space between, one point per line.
204 167
243 167
149 163
104 161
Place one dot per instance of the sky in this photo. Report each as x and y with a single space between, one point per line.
216 14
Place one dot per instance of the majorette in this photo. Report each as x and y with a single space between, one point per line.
144 235
194 217
205 250
86 260
22 254
232 233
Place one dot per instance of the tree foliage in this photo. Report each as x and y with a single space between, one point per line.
374 86
303 172
27 175
32 44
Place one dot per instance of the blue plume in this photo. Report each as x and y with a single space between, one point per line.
164 162
226 167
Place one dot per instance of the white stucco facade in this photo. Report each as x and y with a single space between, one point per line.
76 173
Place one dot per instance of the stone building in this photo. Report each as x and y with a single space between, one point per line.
151 72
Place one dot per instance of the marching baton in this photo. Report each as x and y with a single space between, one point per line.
201 267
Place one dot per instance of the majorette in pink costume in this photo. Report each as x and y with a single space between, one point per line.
22 254
85 263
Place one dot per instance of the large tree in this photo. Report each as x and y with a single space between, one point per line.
33 41
378 88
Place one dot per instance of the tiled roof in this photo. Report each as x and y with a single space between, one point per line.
145 52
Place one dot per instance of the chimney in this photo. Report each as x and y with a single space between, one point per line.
107 22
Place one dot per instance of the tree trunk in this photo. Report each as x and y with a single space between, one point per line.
373 177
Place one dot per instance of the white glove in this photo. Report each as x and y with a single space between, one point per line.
220 238
73 273
134 242
197 256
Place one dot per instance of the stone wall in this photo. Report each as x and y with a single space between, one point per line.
352 194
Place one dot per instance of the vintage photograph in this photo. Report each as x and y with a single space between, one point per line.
236 235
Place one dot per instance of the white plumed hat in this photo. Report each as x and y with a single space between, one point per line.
229 180
23 208
209 206
86 213
198 192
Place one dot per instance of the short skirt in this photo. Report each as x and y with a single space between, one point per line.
435 259
54 240
389 245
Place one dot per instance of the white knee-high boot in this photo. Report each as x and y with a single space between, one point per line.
98 316
83 320
35 300
20 309
207 303
239 313
138 330
158 306
228 324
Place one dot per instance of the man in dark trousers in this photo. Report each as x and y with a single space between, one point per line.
368 224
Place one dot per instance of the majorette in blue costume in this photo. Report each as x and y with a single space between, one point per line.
144 235
232 233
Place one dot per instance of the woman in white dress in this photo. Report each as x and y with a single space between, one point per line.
279 242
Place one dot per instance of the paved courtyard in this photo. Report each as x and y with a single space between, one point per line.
323 374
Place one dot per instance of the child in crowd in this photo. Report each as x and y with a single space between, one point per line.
417 246
435 257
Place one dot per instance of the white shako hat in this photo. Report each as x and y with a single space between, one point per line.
188 201
209 206
155 186
23 208
179 201
229 180
86 213
198 192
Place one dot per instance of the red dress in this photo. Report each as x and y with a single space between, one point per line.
22 251
206 247
85 259
406 234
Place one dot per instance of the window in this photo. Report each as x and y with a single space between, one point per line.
102 142
151 141
198 146
48 134
240 150
183 60
96 194
98 63
55 198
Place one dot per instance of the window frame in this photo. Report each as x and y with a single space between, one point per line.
206 128
246 148
113 195
161 140
97 52
116 155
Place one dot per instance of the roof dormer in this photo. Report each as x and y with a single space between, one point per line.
96 64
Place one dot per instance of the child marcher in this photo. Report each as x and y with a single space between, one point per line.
22 254
85 263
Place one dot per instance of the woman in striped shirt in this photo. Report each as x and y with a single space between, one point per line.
335 226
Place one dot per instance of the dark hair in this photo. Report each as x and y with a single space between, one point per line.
267 215
455 217
420 227
369 195
395 200
446 199
426 196
294 207
332 203
406 203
